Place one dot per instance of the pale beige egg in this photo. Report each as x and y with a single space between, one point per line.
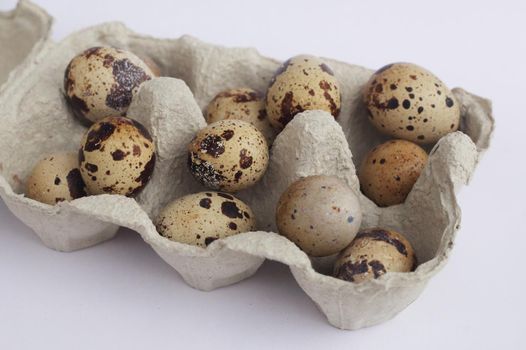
228 155
201 218
321 214
56 178
408 102
117 156
101 82
302 83
373 253
150 62
243 104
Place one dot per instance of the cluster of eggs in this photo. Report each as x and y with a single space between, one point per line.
410 104
116 154
320 214
232 152
228 155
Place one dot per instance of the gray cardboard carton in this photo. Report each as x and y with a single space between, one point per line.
36 121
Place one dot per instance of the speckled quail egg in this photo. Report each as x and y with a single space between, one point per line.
154 67
201 218
373 253
244 104
321 214
56 178
101 82
302 83
117 156
228 155
390 170
408 102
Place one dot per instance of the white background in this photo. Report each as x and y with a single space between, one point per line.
120 294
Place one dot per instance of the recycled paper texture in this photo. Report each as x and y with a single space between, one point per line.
34 110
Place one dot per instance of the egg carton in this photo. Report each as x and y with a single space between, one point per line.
22 30
36 121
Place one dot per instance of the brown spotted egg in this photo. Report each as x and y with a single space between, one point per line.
373 253
56 178
201 218
244 104
117 156
408 102
302 83
228 155
321 214
390 170
101 82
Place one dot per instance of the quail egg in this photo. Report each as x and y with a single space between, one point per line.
321 214
302 83
101 82
390 170
154 67
244 104
373 253
56 178
201 218
408 102
117 156
228 155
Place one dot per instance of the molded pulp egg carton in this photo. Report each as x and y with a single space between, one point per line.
36 121
22 30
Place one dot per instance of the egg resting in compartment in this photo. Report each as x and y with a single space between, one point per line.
117 156
373 253
302 83
320 214
408 102
150 62
101 82
56 178
243 104
201 218
390 170
228 155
